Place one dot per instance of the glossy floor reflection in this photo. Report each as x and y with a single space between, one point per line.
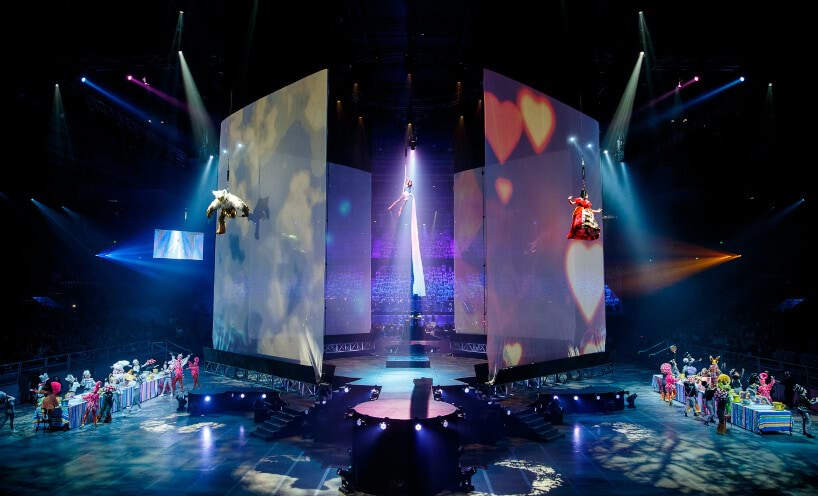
651 449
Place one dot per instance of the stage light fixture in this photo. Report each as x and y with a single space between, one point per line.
346 480
445 423
617 395
597 397
418 427
207 398
241 395
359 422
556 397
82 79
382 425
576 398
264 396
129 77
346 389
466 389
741 79
465 479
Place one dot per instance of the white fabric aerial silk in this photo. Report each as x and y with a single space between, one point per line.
418 284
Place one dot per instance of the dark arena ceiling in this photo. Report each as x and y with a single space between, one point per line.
738 151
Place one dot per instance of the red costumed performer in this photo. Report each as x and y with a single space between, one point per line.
91 405
583 222
194 372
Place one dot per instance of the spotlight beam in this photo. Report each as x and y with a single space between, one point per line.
160 94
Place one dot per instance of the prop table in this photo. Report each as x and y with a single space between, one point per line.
762 418
76 405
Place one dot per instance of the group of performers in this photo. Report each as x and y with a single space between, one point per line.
100 396
719 391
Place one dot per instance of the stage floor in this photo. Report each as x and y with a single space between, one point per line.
651 449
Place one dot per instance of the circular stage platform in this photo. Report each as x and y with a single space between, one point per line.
404 409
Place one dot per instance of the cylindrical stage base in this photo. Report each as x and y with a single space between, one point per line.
404 454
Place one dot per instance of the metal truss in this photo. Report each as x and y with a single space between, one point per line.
469 347
347 347
563 377
274 382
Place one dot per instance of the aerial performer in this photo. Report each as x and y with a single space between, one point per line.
583 223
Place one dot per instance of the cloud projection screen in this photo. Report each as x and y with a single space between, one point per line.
544 293
268 295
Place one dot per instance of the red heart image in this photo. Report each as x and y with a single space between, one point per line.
504 188
504 126
538 117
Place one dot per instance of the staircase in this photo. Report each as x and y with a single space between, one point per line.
282 423
531 424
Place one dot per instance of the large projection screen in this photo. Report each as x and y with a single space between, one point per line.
544 292
268 294
469 253
349 251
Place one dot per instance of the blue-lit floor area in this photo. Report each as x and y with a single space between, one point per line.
650 449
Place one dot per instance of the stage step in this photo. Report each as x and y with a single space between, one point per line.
285 422
534 425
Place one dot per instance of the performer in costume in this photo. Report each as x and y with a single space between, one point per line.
167 376
194 372
107 402
669 392
179 373
404 197
688 368
723 402
7 405
735 380
803 404
73 385
87 381
91 405
714 370
691 395
709 401
138 380
229 205
583 223
765 385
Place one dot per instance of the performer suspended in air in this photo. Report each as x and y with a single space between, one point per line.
404 196
583 223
